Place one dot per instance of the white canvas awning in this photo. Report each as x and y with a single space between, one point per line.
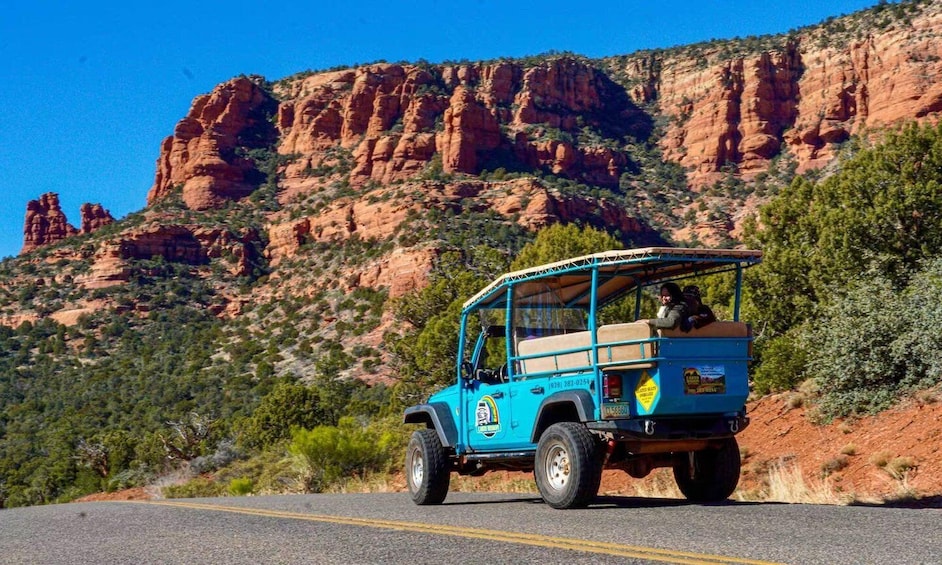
569 281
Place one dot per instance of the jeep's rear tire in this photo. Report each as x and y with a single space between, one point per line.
427 470
710 475
568 468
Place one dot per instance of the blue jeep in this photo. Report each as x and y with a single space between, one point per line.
547 388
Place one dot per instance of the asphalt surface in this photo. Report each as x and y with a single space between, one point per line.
477 528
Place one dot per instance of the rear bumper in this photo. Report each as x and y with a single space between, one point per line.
667 428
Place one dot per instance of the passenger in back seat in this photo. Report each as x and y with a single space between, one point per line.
673 313
699 314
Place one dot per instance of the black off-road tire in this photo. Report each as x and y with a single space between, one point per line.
568 466
710 475
427 471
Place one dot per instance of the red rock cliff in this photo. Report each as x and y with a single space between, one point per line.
207 155
734 105
800 97
393 120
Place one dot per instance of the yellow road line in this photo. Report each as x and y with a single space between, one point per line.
620 550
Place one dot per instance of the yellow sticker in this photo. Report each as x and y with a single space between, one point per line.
646 391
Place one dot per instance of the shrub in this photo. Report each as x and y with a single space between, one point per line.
892 346
240 487
268 472
783 359
286 406
129 478
224 454
881 458
198 487
331 453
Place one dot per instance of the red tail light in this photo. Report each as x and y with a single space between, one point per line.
611 386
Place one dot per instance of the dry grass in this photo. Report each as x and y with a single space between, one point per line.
780 481
659 484
834 464
787 484
795 401
881 458
930 396
495 482
898 467
904 492
375 482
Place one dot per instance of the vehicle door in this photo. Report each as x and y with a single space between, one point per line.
487 412
566 366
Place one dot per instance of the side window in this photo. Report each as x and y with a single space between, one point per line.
540 315
491 333
494 354
491 363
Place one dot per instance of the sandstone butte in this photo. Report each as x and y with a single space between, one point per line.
46 223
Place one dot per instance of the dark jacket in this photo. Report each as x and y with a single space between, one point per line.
702 316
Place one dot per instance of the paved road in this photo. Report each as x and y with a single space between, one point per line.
468 528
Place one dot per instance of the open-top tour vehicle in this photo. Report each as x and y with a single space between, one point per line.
549 388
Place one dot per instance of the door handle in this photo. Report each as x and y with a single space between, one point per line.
497 395
537 390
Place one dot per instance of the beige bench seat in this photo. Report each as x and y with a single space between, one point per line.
558 355
716 329
557 358
627 354
554 361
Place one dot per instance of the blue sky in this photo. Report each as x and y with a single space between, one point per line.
90 91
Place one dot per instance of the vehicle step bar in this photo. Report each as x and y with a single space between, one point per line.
503 455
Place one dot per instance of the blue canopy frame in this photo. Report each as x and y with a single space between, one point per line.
591 281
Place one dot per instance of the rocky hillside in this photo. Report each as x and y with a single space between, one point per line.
317 185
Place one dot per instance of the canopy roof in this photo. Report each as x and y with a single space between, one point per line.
569 282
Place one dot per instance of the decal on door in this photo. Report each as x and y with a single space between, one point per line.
487 419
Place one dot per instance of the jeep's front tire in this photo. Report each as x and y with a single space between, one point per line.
568 467
710 475
427 470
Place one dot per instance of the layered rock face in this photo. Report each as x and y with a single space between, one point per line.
394 120
46 223
188 244
207 156
489 116
379 216
800 95
801 98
